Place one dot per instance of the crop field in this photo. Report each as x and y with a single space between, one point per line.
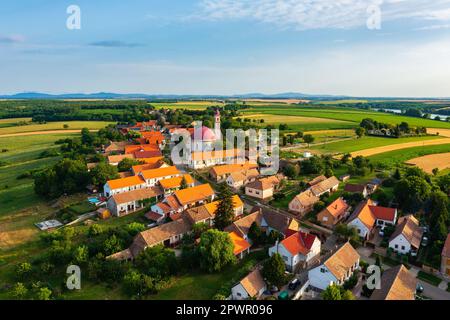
368 143
190 105
395 157
346 114
429 162
300 123
21 155
406 145
51 126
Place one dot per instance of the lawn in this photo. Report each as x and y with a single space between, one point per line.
393 158
427 277
299 123
345 114
366 143
190 105
73 125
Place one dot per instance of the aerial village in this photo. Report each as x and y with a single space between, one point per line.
304 259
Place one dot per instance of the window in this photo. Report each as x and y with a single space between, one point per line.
323 270
403 247
239 294
396 246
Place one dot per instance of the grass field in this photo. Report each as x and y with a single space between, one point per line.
22 156
345 114
190 105
393 158
366 143
298 123
73 125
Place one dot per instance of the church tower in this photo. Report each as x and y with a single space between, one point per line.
217 131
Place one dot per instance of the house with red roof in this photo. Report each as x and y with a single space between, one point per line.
369 215
297 250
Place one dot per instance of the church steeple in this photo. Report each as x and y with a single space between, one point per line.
217 131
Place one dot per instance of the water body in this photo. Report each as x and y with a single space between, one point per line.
398 111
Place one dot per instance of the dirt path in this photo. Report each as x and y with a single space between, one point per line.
429 162
383 149
33 133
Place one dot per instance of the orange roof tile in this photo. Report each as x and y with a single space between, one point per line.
160 172
337 207
150 163
230 168
194 194
299 242
176 182
239 243
342 260
397 283
125 182
144 147
212 207
120 157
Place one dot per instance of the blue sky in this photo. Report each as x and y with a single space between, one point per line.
227 47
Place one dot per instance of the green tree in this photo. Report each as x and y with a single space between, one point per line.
126 164
332 292
157 262
216 250
308 138
19 291
273 270
23 270
360 132
44 294
112 245
256 234
411 192
81 254
291 171
183 184
103 172
225 210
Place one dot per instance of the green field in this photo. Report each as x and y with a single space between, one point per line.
22 156
50 126
345 114
365 143
189 105
393 158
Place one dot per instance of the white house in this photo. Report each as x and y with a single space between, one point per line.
407 236
299 248
125 203
252 286
336 269
153 176
127 184
368 215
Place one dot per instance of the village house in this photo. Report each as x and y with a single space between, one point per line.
273 221
297 250
241 247
252 286
143 126
236 180
397 283
220 173
116 147
181 200
263 188
168 234
329 185
368 215
205 159
122 185
153 176
303 202
357 188
133 148
337 269
114 160
155 138
206 213
334 213
407 236
121 204
316 180
150 163
172 184
445 258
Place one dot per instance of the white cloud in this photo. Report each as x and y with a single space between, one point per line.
319 14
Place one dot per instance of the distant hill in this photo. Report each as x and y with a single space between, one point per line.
110 95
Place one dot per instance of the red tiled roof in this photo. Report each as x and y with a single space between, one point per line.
299 242
153 216
383 213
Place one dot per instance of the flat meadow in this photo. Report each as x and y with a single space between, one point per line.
51 126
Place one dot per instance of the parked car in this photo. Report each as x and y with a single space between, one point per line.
419 288
424 241
294 284
274 289
284 295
